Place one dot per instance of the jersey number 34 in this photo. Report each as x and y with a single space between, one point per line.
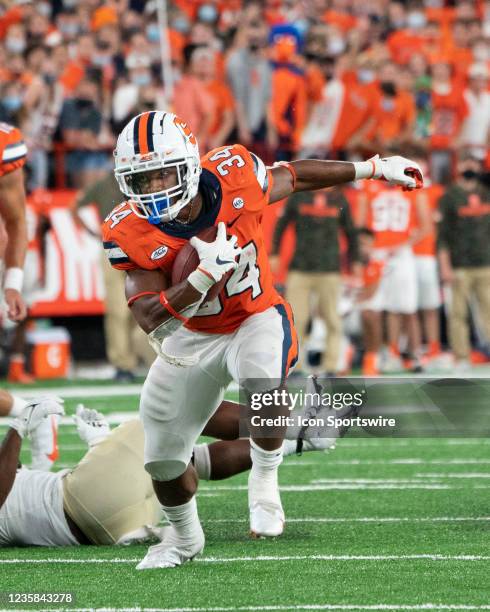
245 277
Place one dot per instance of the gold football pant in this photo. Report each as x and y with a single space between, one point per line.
109 494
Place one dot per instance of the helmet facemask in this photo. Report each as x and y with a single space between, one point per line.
164 205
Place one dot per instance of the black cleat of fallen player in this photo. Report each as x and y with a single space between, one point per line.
124 376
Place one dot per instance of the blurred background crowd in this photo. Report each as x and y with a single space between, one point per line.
335 79
324 78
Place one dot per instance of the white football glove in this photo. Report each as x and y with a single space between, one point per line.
398 170
217 258
92 426
33 414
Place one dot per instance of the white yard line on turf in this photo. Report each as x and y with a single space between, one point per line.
369 519
81 391
456 475
417 607
259 558
114 418
407 461
84 391
373 481
304 462
427 606
306 488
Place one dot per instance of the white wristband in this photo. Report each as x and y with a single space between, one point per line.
201 281
14 279
365 170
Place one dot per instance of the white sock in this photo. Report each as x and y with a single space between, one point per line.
202 461
18 406
184 519
289 447
264 463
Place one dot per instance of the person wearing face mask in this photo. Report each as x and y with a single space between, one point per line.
288 101
408 37
204 67
464 253
250 75
449 109
196 105
343 111
126 95
80 125
396 110
475 132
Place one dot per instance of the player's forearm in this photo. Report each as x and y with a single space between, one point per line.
9 461
150 313
317 174
17 242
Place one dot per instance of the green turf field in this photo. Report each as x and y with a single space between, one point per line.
376 524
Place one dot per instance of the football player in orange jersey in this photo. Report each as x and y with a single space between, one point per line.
389 213
245 334
13 152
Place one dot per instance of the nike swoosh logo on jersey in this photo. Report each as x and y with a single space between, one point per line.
233 222
220 261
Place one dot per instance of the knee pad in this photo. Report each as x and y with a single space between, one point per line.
258 376
165 470
166 454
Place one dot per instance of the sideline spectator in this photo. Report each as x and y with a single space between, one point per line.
80 125
289 87
204 68
315 268
449 109
195 103
464 253
250 77
475 133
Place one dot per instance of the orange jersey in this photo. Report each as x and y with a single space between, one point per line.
394 114
13 151
359 102
235 186
448 113
389 215
427 246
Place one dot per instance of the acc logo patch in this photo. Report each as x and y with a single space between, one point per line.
238 203
159 253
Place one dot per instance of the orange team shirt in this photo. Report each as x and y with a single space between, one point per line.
235 185
288 101
389 214
360 102
427 246
448 113
13 151
223 101
394 114
402 44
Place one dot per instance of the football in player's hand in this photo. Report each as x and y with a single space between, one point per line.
187 261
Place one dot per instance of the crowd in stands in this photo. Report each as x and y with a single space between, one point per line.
323 78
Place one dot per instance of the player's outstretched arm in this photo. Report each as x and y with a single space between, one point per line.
12 197
311 174
9 462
